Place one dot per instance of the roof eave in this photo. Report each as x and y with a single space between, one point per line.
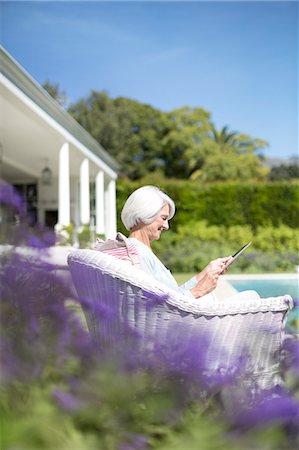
13 71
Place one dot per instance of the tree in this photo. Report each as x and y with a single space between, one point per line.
236 142
182 143
231 166
284 172
223 138
55 92
228 156
184 146
130 131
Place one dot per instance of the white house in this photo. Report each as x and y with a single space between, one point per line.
50 158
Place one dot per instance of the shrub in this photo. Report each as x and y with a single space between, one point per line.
193 245
284 172
85 236
227 204
65 234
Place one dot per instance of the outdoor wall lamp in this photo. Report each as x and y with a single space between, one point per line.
46 175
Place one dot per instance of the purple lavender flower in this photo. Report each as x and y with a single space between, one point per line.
100 310
268 408
291 355
36 326
10 197
224 376
47 239
135 442
187 360
153 300
67 401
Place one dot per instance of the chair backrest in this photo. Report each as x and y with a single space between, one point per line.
116 297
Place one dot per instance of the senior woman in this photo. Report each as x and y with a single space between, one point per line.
146 215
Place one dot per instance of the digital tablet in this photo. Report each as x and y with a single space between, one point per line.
238 253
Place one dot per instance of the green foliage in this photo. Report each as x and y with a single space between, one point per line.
229 156
226 204
237 142
282 238
33 419
54 91
65 234
230 166
216 219
195 244
84 236
199 430
183 147
130 131
30 420
284 172
148 415
182 143
191 257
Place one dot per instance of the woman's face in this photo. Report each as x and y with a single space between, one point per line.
160 224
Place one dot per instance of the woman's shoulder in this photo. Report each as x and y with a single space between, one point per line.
138 244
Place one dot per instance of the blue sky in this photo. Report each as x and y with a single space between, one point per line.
237 60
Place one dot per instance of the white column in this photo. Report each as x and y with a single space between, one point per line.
64 185
110 209
84 193
100 222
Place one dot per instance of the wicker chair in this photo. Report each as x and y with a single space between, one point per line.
228 329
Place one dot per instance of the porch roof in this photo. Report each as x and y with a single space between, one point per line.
22 80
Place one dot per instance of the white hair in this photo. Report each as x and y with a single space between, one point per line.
143 206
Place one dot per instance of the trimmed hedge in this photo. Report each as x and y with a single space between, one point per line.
192 246
254 204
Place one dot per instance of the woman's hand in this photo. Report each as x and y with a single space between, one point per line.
208 277
228 261
218 265
206 285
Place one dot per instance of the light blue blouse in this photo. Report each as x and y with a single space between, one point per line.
151 264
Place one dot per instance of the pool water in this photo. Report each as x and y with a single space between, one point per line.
269 287
272 287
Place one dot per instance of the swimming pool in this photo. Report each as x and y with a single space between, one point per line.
267 285
271 285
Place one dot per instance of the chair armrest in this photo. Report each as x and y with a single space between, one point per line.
121 270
